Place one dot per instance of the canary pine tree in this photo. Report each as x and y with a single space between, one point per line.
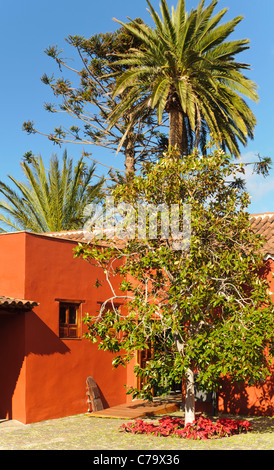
84 94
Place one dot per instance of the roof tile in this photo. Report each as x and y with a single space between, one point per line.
262 224
11 303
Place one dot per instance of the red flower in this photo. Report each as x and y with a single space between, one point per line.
202 428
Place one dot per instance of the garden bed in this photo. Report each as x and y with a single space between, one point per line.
201 428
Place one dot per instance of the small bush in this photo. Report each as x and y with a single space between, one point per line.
201 428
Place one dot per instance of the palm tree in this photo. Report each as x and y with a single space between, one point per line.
187 68
52 200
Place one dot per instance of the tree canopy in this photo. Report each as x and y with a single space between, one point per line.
187 68
204 306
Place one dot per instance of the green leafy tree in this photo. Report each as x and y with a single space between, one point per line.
187 68
51 200
84 95
202 305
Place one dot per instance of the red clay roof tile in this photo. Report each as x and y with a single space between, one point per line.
11 303
262 224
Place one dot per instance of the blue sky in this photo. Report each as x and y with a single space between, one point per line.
28 27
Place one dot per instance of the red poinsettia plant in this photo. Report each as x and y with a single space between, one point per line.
201 428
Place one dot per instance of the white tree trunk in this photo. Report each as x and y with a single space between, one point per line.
189 398
189 387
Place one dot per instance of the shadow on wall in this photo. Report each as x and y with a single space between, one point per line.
240 400
21 334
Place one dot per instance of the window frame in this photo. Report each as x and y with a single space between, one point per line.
71 327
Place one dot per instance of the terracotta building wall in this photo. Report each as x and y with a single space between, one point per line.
56 368
12 328
48 374
251 400
12 264
43 376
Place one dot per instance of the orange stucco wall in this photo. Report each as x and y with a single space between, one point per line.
251 400
48 374
12 264
43 376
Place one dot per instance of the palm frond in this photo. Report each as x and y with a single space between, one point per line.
51 200
219 34
187 61
169 26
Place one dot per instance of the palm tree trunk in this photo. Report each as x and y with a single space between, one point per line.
176 123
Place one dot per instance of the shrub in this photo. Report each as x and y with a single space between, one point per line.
201 428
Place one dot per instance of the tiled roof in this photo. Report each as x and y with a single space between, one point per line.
9 303
264 225
79 236
260 223
73 235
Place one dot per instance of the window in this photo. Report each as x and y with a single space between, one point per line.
69 320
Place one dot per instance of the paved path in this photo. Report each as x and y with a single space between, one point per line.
9 424
83 432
